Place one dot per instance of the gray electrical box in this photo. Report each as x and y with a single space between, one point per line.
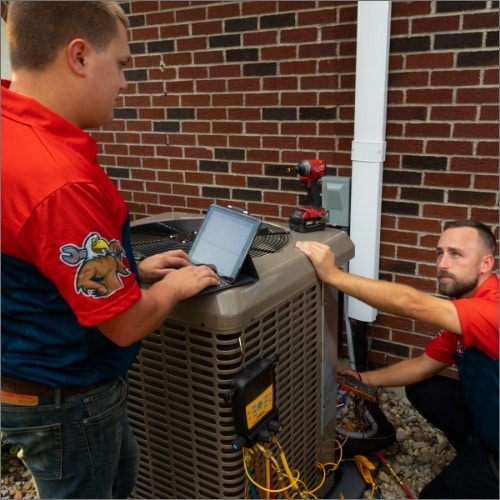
336 198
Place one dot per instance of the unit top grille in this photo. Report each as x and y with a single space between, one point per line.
156 237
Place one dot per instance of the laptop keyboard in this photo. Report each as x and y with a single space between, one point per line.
223 283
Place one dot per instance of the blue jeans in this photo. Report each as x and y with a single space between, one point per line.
78 446
473 473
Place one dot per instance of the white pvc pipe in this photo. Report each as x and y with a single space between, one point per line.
5 70
368 146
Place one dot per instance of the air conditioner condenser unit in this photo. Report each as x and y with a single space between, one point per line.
179 383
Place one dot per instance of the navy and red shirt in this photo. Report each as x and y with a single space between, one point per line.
475 353
65 251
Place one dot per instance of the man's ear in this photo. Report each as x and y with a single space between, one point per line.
487 263
76 52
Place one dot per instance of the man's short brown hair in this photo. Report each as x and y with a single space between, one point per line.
485 233
38 30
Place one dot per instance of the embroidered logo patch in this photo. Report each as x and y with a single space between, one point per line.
100 265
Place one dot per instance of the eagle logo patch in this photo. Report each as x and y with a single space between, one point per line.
100 265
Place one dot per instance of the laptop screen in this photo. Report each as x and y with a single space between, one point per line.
224 240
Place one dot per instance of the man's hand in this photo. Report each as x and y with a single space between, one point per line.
352 373
157 266
157 301
189 280
399 374
321 257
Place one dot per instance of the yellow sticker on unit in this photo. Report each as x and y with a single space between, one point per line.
259 407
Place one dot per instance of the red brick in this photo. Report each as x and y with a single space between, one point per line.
441 129
432 60
442 212
446 147
455 78
453 113
253 8
411 9
434 108
446 179
437 24
481 95
482 130
475 164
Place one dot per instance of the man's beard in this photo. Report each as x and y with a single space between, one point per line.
456 289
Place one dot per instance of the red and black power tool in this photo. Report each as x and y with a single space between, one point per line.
313 217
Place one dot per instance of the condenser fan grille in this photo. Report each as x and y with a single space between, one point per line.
156 237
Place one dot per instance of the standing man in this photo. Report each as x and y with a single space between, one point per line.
466 410
73 311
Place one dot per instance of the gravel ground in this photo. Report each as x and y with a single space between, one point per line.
419 454
16 481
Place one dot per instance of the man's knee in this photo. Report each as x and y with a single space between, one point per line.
417 393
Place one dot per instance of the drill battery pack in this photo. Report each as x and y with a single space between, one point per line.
308 219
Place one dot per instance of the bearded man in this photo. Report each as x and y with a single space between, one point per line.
466 410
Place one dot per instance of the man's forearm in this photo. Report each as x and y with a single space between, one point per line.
408 371
394 298
143 316
399 299
390 297
396 375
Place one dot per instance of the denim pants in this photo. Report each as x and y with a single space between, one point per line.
473 473
79 446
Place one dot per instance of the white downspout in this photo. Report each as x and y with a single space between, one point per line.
5 70
368 146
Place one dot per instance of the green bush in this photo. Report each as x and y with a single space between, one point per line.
9 451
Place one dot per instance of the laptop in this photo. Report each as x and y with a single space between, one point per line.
224 240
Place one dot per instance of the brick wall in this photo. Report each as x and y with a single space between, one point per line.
223 97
